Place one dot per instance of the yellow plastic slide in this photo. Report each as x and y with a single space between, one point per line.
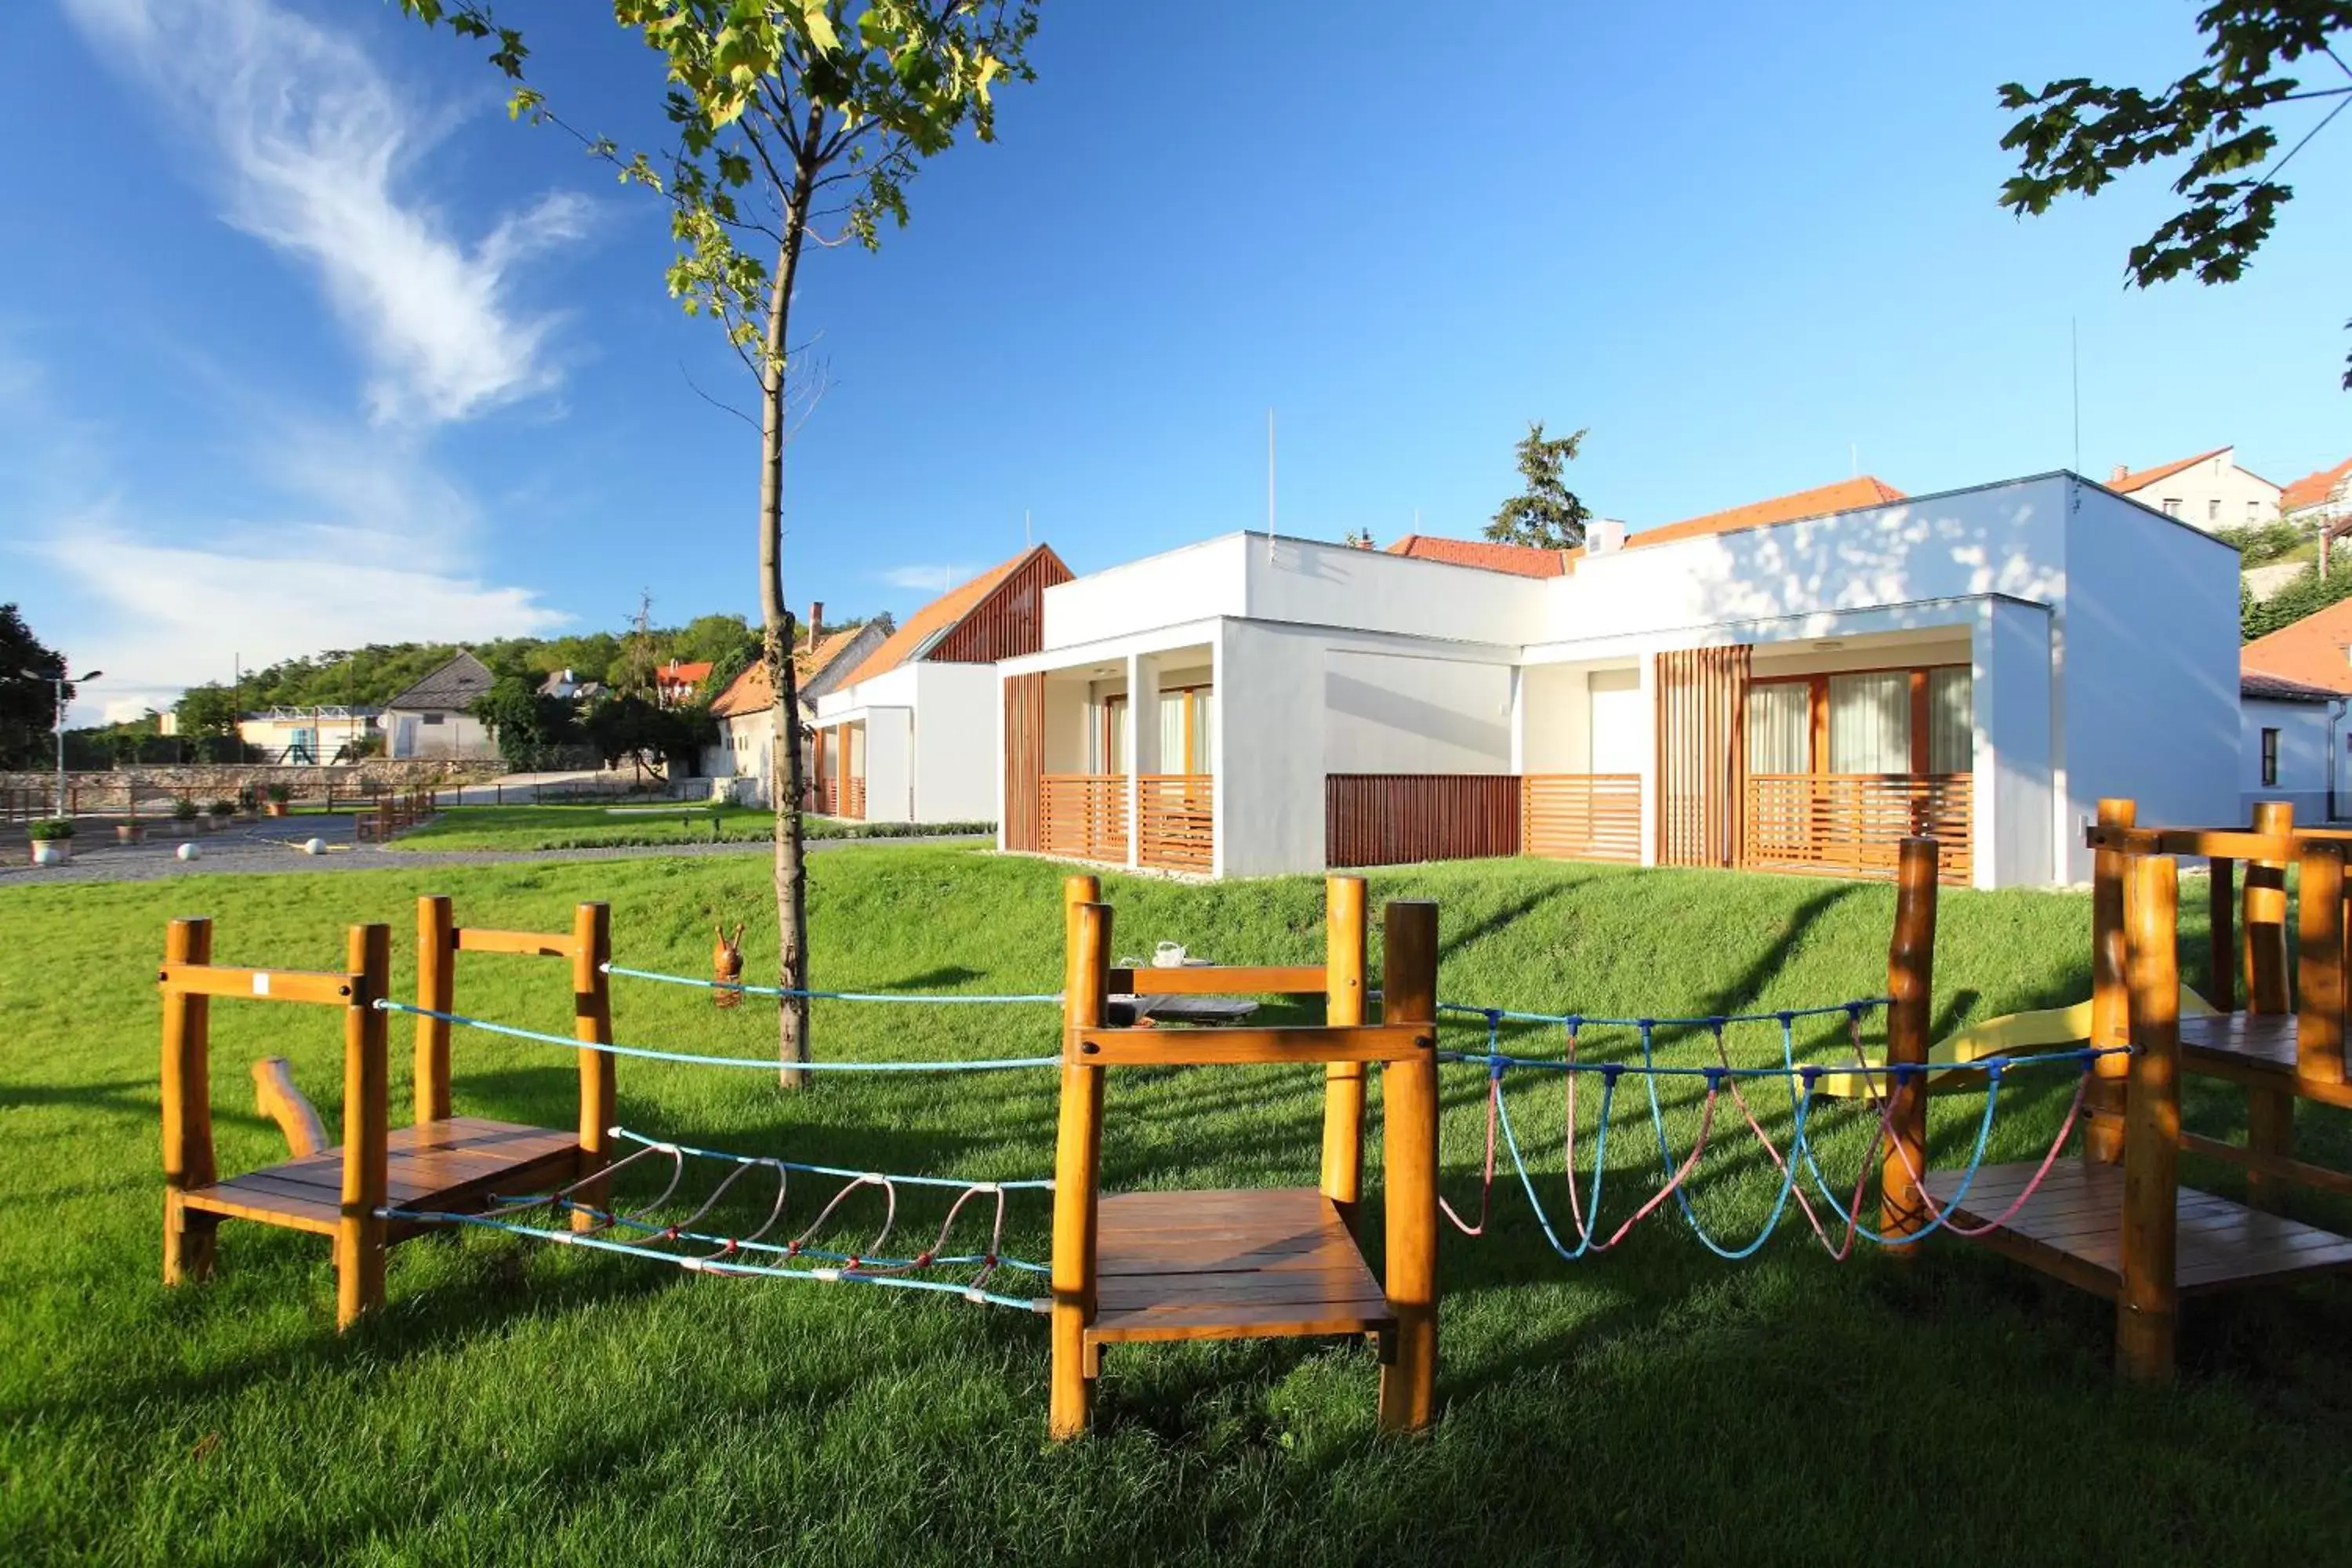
2016 1034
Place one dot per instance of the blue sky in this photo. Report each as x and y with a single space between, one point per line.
303 344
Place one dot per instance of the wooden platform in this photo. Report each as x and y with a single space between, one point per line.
452 1165
2073 1227
2256 1048
1250 1264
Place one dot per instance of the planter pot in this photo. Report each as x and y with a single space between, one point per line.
52 851
126 833
275 807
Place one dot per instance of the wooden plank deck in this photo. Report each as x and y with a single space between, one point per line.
2073 1227
452 1165
2256 1048
1249 1264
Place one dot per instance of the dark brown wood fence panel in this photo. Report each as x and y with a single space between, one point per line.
1011 621
1389 819
1024 759
1702 754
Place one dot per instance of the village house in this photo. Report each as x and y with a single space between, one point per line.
745 711
434 718
2209 490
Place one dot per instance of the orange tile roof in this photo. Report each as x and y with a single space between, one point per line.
749 692
2124 484
2313 489
2312 650
935 620
1846 494
676 674
1520 560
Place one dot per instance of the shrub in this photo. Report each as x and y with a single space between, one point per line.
183 810
279 793
224 808
50 829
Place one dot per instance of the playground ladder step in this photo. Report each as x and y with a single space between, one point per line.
452 1165
1233 1264
2073 1227
2256 1048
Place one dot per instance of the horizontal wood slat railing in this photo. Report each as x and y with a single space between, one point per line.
1174 821
1855 824
1085 816
1581 816
1389 819
856 803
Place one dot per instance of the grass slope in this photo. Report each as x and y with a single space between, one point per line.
599 826
523 1404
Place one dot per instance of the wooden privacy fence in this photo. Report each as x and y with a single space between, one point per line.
1389 819
1175 821
1083 817
1581 816
1853 824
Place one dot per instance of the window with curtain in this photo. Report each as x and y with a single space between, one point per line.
1111 736
1184 731
1780 728
1869 723
1951 721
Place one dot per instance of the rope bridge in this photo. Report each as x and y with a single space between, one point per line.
1724 1077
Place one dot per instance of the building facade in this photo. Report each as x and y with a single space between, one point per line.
2209 490
2290 745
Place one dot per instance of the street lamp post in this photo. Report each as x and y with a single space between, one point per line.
58 723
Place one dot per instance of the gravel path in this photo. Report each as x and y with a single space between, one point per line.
272 844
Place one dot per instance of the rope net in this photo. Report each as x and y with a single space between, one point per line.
1833 1212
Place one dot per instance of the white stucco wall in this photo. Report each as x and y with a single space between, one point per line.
956 713
2012 828
1394 713
2304 737
2147 658
1315 584
890 764
2214 494
1270 737
1197 582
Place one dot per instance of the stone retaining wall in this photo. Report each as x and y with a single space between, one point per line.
118 789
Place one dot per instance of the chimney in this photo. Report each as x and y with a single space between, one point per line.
1606 536
816 619
2120 474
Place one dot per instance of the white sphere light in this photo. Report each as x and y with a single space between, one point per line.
188 852
314 846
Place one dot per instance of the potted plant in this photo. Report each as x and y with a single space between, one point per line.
128 832
222 810
184 814
277 795
52 841
247 802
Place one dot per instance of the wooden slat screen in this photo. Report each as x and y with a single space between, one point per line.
1582 817
1853 824
1174 821
1702 698
1085 816
1387 819
1024 759
1011 621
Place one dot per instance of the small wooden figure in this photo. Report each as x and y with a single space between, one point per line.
726 963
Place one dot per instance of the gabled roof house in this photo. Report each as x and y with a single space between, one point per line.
909 735
2210 490
746 709
434 717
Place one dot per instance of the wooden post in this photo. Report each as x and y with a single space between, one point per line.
1911 986
187 1109
2320 972
2270 1113
2146 1304
1344 941
591 1019
2221 933
1077 1158
1409 1169
436 964
2102 1103
359 1233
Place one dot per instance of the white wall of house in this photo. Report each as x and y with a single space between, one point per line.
2214 494
2148 654
1414 713
2306 733
890 764
410 733
2014 790
954 742
1270 748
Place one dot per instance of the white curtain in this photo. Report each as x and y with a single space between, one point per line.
1869 723
1780 728
1951 721
1173 759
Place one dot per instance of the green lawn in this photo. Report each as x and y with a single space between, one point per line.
604 826
519 1403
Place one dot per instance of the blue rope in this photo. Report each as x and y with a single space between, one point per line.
648 1227
765 1063
1901 1073
1852 1009
668 1147
740 989
1682 1191
1599 1165
718 1265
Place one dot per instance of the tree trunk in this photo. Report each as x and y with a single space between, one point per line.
776 639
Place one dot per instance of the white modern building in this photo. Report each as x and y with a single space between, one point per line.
1797 693
910 734
2290 738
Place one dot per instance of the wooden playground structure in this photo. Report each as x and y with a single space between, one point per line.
2118 1223
442 1160
1253 1264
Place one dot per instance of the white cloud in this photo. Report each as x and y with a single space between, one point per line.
314 144
928 578
174 614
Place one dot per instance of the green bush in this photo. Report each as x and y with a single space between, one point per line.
183 810
224 808
50 829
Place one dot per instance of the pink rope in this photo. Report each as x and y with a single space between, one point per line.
1706 1120
1487 1192
1841 1250
1575 1203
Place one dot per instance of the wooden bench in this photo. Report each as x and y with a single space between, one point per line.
442 1163
1249 1264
